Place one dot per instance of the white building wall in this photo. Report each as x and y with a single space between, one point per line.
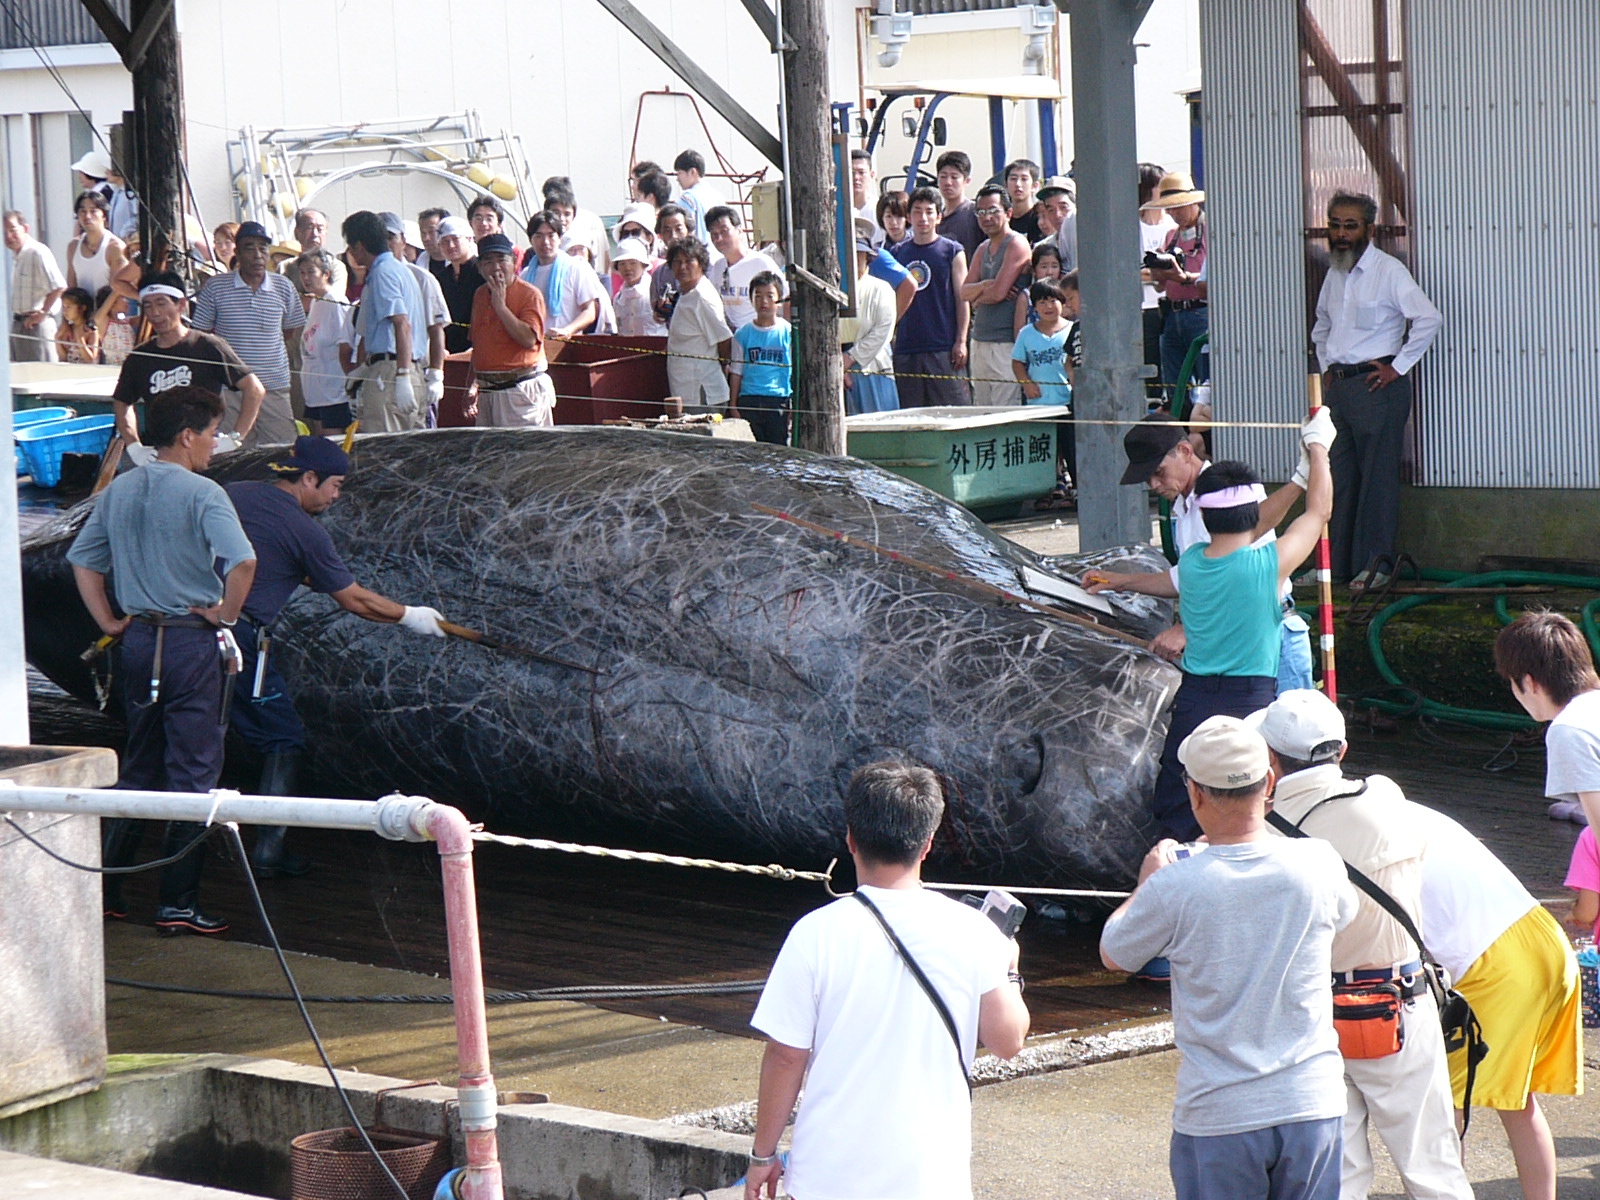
36 142
308 62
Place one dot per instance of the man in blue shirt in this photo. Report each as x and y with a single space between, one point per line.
931 344
293 548
390 309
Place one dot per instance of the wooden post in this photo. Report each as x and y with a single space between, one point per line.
158 101
818 372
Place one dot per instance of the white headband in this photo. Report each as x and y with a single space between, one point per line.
162 289
1244 493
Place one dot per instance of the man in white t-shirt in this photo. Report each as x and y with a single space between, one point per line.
732 273
1551 672
864 193
887 1112
569 284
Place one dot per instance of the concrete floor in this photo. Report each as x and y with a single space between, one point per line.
1090 1133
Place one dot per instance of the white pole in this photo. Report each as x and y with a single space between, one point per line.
399 818
13 662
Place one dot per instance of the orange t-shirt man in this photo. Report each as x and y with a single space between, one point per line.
494 350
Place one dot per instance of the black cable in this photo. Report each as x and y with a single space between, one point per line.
579 992
133 870
305 1015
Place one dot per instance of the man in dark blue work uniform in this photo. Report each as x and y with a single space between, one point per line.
158 531
293 548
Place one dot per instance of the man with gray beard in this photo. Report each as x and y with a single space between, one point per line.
1366 354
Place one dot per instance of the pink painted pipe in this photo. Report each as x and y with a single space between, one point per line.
475 1088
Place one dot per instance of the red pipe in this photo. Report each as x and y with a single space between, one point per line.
476 1091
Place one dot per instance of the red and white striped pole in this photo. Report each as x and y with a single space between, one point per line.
1324 559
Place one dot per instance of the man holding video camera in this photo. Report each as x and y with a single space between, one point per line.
1175 270
884 995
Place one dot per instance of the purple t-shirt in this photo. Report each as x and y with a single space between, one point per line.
292 548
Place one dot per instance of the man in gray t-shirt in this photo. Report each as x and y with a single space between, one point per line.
156 531
1247 923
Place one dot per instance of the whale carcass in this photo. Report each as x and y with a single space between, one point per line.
740 665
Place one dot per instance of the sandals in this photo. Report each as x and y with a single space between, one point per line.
1056 499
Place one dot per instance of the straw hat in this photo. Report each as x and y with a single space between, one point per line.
1174 191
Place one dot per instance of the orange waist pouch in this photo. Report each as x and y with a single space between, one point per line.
1369 1019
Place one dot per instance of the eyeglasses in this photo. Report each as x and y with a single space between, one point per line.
989 212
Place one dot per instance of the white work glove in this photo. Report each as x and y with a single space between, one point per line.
228 647
405 394
141 455
435 380
1302 473
423 621
1319 430
227 443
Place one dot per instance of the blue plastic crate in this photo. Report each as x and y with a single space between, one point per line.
37 416
43 445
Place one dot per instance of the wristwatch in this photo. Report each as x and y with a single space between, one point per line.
762 1160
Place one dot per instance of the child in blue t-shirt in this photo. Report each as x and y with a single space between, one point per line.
759 368
1039 358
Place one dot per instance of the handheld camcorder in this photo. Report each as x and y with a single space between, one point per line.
1001 907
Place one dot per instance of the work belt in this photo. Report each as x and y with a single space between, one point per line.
500 381
163 622
1181 305
1409 977
375 358
1351 370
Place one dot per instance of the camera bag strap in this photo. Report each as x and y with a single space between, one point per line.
1458 1022
922 978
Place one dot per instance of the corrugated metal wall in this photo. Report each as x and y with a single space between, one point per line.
1253 200
922 8
25 24
1505 110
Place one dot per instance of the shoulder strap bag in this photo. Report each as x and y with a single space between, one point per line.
1457 1021
922 978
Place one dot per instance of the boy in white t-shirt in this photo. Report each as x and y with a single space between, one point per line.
1551 672
887 1112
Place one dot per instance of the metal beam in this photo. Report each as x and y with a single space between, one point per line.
1109 384
685 68
111 25
149 26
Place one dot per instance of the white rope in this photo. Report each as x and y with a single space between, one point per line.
773 871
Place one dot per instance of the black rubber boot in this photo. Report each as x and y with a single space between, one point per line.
119 842
269 858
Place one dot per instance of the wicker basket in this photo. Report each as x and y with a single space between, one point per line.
334 1164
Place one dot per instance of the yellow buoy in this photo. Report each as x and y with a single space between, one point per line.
480 175
503 187
284 203
302 186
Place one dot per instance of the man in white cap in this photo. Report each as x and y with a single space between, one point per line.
1405 1095
1248 924
1501 948
93 169
456 269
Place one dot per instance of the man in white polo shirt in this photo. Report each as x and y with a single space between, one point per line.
258 313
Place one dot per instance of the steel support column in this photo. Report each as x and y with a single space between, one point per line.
1109 386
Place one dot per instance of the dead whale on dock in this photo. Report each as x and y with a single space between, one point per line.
739 666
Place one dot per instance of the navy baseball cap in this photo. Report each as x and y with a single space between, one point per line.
252 229
317 454
1147 443
496 243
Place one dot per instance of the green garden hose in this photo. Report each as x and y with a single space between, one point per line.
1481 718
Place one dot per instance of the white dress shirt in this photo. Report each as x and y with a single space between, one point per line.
1362 314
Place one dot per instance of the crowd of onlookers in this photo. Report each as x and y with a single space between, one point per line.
961 298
